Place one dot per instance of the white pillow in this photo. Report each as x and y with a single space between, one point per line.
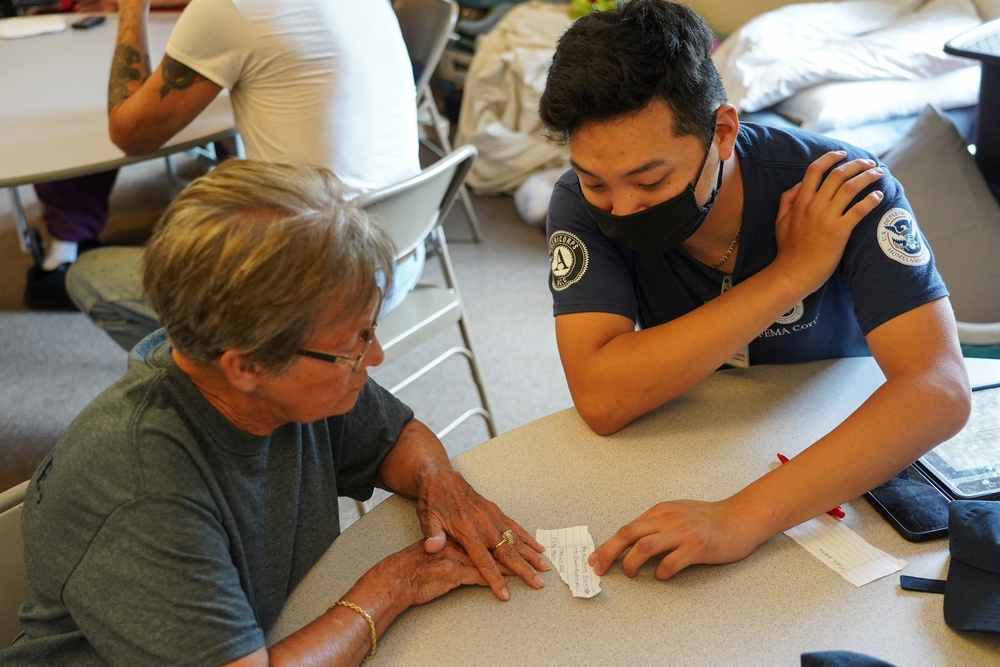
794 29
988 9
911 47
840 104
955 210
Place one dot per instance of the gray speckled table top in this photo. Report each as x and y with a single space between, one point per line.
764 610
55 94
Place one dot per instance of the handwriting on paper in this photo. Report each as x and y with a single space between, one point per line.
843 550
568 549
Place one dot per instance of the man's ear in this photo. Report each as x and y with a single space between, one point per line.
727 125
239 371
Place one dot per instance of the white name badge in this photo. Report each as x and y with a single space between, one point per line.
741 359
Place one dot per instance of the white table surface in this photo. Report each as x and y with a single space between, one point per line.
764 610
54 104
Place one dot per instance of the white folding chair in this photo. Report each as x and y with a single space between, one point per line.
12 577
412 211
427 26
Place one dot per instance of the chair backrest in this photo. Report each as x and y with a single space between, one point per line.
11 562
412 208
426 26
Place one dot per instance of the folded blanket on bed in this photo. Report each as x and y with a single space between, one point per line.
499 114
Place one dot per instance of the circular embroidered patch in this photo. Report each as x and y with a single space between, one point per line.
901 240
793 315
568 257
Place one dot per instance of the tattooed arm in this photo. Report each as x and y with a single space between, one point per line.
146 108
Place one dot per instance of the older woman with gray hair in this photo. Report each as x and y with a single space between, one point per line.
184 504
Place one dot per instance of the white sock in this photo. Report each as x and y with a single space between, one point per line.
58 253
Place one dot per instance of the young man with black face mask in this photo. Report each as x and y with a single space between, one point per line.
730 244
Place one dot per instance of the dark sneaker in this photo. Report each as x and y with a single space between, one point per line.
46 290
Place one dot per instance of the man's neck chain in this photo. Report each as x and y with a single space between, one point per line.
732 247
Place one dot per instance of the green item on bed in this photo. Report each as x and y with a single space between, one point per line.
578 8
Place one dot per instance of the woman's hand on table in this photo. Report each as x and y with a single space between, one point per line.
414 576
399 581
448 507
687 531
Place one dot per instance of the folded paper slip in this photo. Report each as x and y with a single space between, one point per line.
843 550
568 549
29 26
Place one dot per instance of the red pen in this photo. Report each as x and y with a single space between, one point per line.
836 512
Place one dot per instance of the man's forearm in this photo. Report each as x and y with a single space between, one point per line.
868 448
130 66
641 370
926 385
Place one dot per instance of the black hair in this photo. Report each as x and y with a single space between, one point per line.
615 62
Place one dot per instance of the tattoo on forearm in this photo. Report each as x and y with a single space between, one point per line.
177 76
125 68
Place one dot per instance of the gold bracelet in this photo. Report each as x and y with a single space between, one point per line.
371 623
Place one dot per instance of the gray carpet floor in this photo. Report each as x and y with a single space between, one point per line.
53 364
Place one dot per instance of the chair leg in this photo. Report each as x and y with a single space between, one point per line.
451 279
477 377
20 220
470 213
441 137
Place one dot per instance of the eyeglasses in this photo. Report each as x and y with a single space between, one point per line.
366 338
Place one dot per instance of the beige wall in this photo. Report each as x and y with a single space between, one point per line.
725 16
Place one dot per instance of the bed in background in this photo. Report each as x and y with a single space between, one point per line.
874 73
858 70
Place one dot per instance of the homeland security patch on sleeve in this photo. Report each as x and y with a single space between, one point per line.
569 258
901 240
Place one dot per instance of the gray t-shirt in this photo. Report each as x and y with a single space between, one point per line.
156 532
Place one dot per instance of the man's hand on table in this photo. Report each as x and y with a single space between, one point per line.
688 531
447 505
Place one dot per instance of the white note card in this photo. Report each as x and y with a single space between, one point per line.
843 550
29 26
568 549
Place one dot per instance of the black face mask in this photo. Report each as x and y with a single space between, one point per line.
659 228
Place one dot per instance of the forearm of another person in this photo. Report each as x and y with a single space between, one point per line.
146 108
342 636
111 6
616 374
924 400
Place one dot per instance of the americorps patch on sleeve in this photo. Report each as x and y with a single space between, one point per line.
569 258
900 238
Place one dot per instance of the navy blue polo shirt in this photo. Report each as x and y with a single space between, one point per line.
887 268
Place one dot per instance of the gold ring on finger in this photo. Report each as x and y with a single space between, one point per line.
508 538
